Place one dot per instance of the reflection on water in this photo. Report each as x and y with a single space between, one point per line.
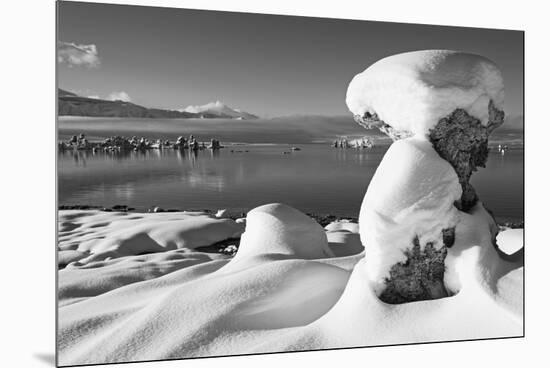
316 179
125 191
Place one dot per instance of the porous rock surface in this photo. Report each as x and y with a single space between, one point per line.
420 277
462 140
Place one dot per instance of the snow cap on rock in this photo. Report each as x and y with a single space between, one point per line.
412 91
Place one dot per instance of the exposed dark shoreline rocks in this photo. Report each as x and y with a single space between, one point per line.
78 207
115 208
322 219
228 247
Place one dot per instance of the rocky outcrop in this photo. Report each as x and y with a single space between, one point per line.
462 140
439 107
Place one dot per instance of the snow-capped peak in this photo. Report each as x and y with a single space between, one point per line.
220 109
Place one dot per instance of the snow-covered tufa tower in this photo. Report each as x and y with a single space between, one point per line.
439 107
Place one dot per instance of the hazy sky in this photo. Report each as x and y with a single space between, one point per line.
268 65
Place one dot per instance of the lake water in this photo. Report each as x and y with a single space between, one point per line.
318 179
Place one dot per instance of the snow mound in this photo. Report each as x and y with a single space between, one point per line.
280 229
343 225
343 238
344 243
413 90
197 311
510 241
106 235
410 195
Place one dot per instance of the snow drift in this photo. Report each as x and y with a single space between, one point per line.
89 236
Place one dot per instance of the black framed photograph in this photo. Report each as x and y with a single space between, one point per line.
234 183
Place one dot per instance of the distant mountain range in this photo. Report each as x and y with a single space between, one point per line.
70 103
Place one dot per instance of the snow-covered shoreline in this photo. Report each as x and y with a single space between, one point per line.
145 292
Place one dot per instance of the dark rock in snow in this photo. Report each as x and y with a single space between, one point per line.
449 237
462 140
418 278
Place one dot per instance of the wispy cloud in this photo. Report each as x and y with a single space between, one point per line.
74 54
122 96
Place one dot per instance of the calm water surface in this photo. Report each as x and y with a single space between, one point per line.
317 179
